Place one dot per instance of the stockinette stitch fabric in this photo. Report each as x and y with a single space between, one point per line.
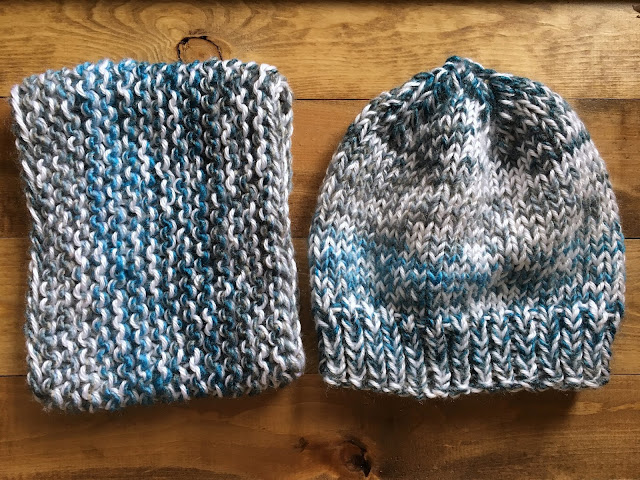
161 256
466 239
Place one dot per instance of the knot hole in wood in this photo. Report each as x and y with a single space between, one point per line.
200 47
355 457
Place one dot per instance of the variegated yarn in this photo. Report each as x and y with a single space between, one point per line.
466 239
161 258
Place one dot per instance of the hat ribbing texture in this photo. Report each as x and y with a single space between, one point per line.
466 239
161 257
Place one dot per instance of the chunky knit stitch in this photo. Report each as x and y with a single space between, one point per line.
161 256
466 239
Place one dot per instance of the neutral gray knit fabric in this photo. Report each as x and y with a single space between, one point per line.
466 239
161 256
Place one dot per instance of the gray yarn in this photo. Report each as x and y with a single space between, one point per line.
161 256
466 239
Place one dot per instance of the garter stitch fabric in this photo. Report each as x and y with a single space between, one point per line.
466 239
161 256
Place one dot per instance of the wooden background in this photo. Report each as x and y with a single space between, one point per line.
336 56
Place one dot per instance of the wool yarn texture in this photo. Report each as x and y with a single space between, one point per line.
161 262
466 239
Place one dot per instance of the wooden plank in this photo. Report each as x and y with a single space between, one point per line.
626 350
307 430
337 49
320 125
13 290
13 278
615 130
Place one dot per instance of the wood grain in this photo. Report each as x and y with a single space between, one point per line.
335 54
307 431
320 125
13 278
337 49
13 288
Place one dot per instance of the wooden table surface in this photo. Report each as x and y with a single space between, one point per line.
336 57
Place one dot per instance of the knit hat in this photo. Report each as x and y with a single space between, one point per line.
466 239
161 255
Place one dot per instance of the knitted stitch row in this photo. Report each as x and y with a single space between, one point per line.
161 256
466 239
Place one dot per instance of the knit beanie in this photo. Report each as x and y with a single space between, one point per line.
466 239
161 260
